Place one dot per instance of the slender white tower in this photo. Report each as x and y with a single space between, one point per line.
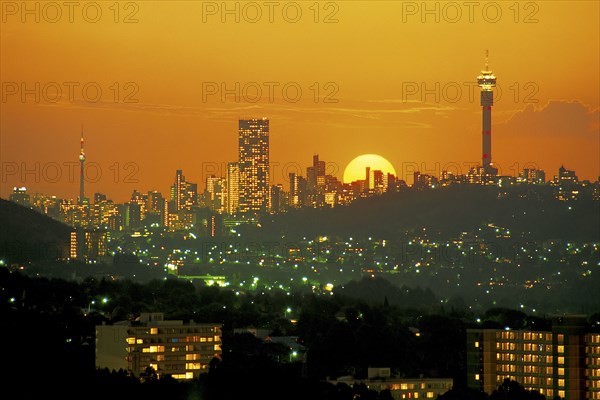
81 172
487 83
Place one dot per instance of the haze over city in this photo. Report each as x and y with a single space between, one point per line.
393 79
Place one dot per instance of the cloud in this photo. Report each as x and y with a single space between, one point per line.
557 119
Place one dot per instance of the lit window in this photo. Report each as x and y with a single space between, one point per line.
131 340
561 371
476 344
154 331
561 360
430 395
561 393
561 349
476 377
561 383
139 341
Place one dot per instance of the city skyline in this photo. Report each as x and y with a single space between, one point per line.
356 99
223 171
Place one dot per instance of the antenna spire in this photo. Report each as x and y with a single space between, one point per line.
487 54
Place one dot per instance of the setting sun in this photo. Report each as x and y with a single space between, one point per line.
356 169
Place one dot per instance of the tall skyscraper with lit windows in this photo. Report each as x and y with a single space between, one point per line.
184 194
232 199
254 189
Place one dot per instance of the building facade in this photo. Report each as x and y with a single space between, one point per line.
400 388
182 350
254 188
563 362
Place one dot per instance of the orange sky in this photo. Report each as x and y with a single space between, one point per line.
392 69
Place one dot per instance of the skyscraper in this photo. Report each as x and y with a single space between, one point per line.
487 83
254 186
315 176
232 201
177 189
184 194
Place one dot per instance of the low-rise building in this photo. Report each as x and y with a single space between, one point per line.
379 379
170 347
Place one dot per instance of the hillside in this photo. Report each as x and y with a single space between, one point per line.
528 212
27 235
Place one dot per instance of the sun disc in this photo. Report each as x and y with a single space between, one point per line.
356 169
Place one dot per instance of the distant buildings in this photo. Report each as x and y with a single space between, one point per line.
20 196
88 244
563 362
400 388
532 176
244 190
181 350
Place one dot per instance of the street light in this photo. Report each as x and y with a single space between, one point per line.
287 310
90 305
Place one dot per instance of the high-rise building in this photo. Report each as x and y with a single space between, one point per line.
88 244
20 196
487 83
566 176
142 200
184 194
315 180
177 189
155 202
278 198
232 193
532 176
132 218
298 191
214 193
254 188
562 362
